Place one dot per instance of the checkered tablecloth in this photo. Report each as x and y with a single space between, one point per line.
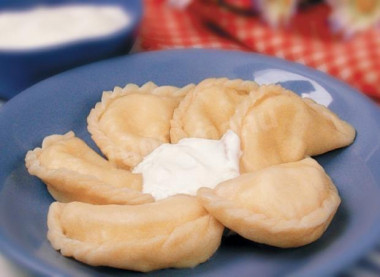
308 39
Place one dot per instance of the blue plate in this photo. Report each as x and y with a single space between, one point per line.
62 103
19 69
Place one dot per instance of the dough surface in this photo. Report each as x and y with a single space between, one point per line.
74 172
205 111
287 205
174 232
277 126
282 197
130 122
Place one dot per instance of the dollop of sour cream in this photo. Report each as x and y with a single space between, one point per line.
44 26
190 164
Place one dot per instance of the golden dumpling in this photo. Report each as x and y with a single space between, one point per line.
287 205
74 172
174 232
277 126
205 111
129 123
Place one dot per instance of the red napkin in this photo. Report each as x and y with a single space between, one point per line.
307 39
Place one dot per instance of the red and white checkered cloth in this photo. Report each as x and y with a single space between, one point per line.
231 25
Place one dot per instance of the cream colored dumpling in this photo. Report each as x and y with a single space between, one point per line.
277 126
205 112
74 172
329 132
130 122
174 232
287 205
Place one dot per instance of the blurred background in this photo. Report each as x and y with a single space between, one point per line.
339 37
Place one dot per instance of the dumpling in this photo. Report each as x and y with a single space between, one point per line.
173 232
205 111
329 132
287 205
129 123
74 172
277 126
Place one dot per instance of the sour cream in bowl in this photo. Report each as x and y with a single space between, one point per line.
40 38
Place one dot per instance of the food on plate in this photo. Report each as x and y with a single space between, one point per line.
206 110
191 163
174 232
130 122
72 171
220 153
286 205
277 126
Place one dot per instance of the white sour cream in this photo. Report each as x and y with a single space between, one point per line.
48 26
190 164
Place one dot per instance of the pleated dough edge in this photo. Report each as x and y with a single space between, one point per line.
102 255
266 91
277 232
343 127
262 229
126 159
255 98
86 188
177 131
